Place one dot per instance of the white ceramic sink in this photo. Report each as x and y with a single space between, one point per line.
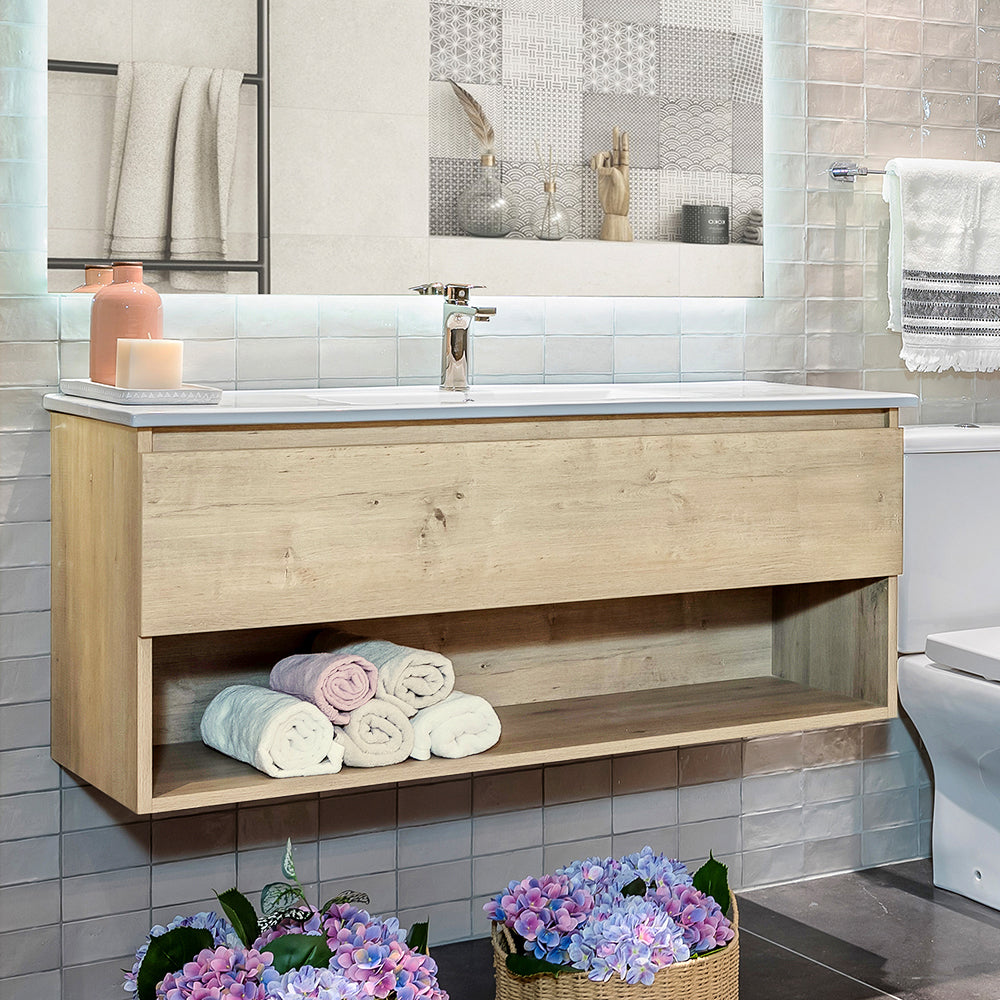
358 404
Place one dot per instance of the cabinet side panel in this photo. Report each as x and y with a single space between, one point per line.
285 536
100 722
838 637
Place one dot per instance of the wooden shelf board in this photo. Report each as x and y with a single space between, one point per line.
191 775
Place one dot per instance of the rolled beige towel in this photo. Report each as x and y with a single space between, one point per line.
378 734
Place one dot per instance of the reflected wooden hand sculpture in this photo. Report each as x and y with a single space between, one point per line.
613 189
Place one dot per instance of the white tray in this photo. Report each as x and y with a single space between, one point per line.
190 394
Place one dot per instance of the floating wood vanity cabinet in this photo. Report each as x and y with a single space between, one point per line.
612 581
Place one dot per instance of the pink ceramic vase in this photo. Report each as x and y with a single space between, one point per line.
126 308
96 276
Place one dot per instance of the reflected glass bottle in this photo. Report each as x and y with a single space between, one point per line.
486 207
551 221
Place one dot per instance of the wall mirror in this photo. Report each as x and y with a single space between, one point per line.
353 168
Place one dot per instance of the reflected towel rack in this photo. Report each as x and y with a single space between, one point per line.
846 171
262 265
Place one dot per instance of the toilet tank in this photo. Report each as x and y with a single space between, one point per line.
951 531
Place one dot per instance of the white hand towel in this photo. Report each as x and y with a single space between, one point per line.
173 148
408 678
378 734
944 262
459 726
278 734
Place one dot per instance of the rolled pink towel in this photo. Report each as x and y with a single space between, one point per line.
336 683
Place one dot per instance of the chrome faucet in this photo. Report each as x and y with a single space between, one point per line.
456 353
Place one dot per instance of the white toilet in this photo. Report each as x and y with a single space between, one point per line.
949 641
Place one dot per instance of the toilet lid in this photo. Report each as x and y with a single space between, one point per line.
974 650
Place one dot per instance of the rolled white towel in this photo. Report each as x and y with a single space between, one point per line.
409 678
379 733
459 726
280 735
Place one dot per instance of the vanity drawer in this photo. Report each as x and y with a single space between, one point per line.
339 532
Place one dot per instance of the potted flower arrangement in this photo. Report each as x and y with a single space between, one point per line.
294 951
614 927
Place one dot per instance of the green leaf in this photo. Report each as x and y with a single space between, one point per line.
417 938
169 953
276 896
293 950
241 915
528 965
287 863
637 887
712 878
347 896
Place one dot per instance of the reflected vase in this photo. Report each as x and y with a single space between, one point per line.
551 221
126 308
486 207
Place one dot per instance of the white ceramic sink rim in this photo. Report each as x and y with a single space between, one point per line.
359 404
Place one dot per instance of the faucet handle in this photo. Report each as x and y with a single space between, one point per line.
458 294
429 288
483 313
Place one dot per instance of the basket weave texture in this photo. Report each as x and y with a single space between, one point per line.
714 977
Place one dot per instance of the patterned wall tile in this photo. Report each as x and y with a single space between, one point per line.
634 11
748 138
714 14
748 68
694 64
448 179
524 181
620 57
450 131
550 117
748 196
693 187
465 43
696 136
542 48
748 17
636 114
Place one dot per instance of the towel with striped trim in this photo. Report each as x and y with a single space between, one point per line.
944 263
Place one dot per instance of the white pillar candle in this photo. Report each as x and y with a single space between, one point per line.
149 364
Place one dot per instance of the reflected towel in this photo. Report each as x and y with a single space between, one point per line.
280 735
944 262
459 726
378 733
173 148
409 678
335 683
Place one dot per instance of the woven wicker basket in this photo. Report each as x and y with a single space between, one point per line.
715 977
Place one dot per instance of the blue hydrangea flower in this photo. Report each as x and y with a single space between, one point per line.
630 935
314 984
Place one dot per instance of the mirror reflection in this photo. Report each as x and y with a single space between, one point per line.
626 134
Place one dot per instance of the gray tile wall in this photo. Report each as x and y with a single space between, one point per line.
81 879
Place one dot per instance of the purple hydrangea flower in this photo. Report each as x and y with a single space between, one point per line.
700 917
308 983
220 975
222 933
656 870
630 935
374 954
544 912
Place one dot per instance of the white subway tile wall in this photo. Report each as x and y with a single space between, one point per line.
81 878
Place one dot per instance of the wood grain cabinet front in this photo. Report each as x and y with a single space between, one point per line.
611 584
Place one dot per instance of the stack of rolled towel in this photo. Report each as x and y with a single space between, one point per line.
354 701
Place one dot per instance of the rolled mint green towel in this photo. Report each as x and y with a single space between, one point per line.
409 678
